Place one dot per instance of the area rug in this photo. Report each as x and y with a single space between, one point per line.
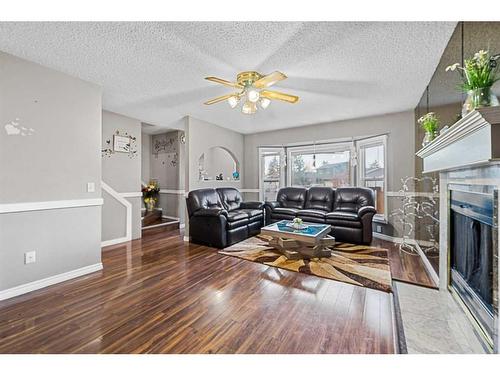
360 265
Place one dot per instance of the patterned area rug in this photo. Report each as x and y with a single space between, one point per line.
354 264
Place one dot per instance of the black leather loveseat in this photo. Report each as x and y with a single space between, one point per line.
220 218
348 210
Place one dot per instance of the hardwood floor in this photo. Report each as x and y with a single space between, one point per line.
161 295
405 267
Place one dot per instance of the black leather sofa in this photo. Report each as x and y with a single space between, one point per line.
220 218
348 210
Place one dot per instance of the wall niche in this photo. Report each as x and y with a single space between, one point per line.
218 163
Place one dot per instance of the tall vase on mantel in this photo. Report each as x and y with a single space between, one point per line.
479 98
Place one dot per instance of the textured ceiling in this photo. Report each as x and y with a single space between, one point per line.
154 71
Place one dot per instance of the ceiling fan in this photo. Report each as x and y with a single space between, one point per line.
253 86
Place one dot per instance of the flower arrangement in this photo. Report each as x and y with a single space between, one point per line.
477 72
430 123
150 194
478 75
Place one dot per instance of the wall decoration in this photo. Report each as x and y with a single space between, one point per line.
123 143
14 128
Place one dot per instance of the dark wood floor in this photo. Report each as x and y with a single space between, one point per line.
161 295
406 267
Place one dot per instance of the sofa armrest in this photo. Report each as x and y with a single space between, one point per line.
366 209
252 205
272 205
210 212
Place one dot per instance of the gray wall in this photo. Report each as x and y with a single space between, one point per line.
167 164
203 136
400 145
145 157
52 162
122 172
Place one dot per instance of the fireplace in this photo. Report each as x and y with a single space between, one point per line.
473 254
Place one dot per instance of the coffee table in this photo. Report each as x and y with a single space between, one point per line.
312 242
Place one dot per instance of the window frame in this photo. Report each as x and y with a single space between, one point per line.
371 142
317 149
262 152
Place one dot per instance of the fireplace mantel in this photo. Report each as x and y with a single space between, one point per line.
474 140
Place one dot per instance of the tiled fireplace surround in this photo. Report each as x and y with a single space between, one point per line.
467 157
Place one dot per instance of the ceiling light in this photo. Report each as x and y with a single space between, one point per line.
264 103
233 101
253 95
249 108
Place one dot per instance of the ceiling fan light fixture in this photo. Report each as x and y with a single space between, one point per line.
264 103
253 95
249 108
233 101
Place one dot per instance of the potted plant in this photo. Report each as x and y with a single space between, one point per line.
478 75
150 194
430 123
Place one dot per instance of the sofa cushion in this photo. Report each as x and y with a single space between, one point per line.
251 212
236 215
203 198
285 211
352 199
319 198
230 198
343 215
312 213
292 197
337 223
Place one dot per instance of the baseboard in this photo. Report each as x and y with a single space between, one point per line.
48 281
428 267
170 217
114 241
186 238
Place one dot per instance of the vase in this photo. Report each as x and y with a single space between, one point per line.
478 98
150 205
428 138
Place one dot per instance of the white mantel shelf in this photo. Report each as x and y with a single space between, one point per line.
474 140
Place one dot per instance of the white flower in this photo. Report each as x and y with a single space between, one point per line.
452 67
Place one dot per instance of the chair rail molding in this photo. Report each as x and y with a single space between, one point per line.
128 206
6 208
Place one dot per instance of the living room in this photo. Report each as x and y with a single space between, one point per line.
244 187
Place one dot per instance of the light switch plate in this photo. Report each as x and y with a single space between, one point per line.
30 257
90 187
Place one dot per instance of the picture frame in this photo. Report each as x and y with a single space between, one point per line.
121 143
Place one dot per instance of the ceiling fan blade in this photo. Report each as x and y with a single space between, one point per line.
279 96
224 82
220 98
269 80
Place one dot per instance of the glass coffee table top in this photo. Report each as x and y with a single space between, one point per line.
312 230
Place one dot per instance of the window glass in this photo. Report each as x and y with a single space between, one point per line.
373 172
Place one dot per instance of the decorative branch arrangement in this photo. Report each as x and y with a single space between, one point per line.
428 208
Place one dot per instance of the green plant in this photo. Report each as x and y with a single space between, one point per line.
429 122
478 72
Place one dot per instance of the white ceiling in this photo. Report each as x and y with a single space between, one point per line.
154 71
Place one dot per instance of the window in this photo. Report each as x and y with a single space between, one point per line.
324 165
357 163
372 171
271 172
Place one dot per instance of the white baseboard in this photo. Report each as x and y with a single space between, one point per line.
186 238
114 241
39 284
428 267
170 217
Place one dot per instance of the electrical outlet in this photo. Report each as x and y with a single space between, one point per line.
90 187
379 228
30 257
